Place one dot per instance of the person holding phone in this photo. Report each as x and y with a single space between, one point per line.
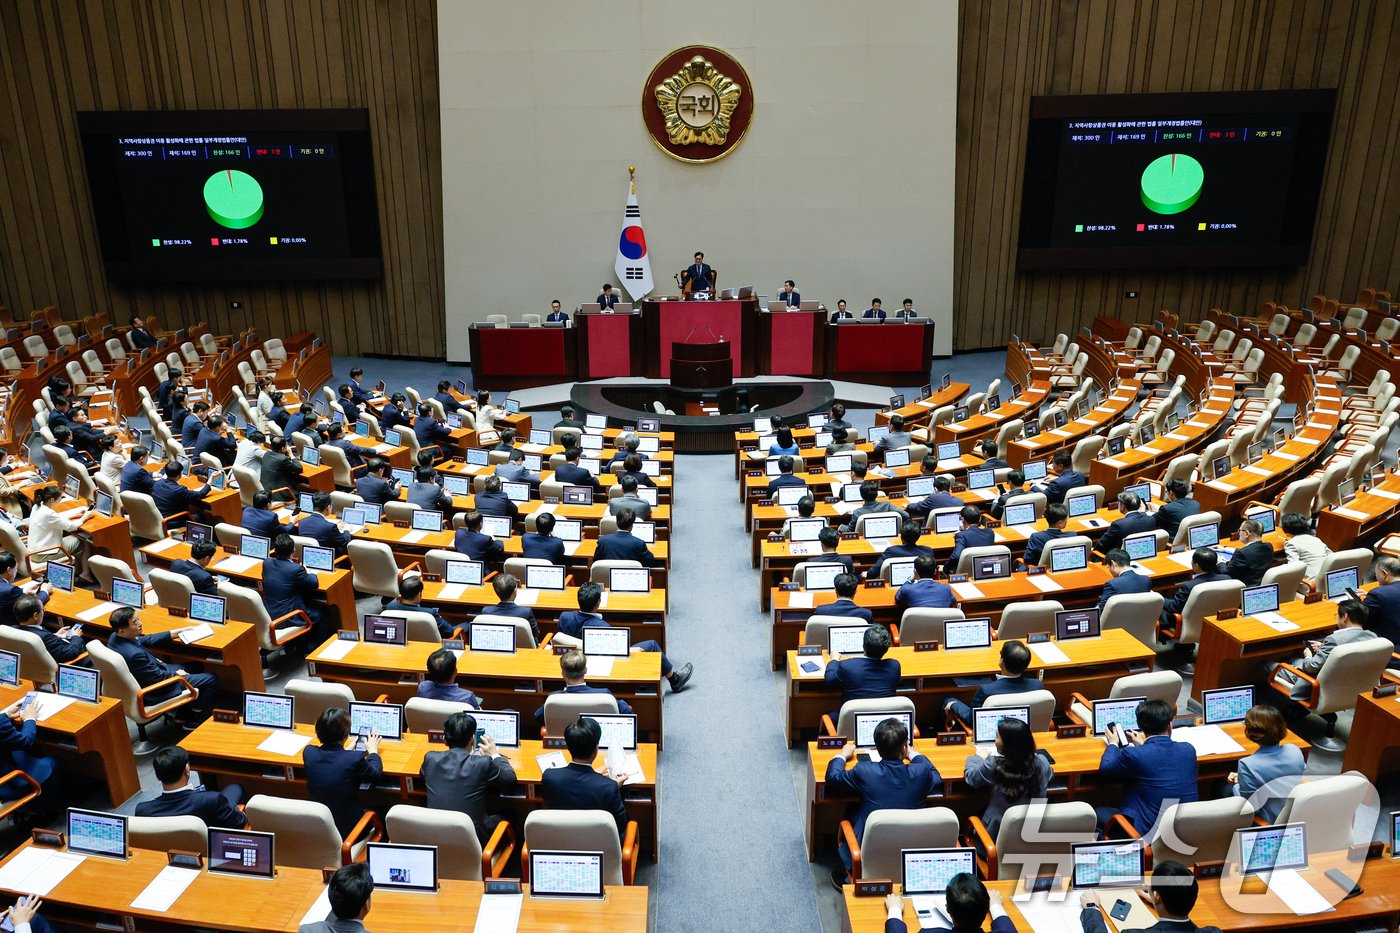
1174 890
463 777
334 773
19 732
24 916
1154 769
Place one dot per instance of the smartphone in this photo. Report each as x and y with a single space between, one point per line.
480 734
29 698
1340 879
77 628
360 742
1120 910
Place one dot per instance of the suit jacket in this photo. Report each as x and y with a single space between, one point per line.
17 753
279 470
145 667
202 579
1342 636
1130 524
432 433
351 409
62 650
978 773
622 706
969 537
831 557
623 545
287 587
1091 919
1383 608
452 693
845 607
572 622
334 776
190 431
358 393
841 316
212 442
607 301
517 473
9 593
876 314
496 503
391 417
863 678
781 480
877 507
792 299
999 506
375 489
896 552
579 787
458 780
326 533
1155 772
141 338
1127 582
937 500
136 478
1022 683
172 498
1035 545
263 522
1177 600
1001 924
557 317
894 440
305 424
635 503
86 440
354 454
1283 763
513 611
548 547
571 474
478 546
429 496
1249 563
700 276
883 785
1055 489
924 594
210 806
1169 516
333 925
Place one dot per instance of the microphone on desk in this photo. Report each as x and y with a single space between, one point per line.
692 331
719 339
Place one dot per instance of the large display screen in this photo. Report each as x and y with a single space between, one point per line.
233 195
1160 180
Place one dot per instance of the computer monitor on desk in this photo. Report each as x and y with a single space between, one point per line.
986 719
866 724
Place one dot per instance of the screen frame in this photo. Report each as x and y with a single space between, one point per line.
271 839
590 895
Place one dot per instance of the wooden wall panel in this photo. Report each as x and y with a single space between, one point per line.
58 57
1011 50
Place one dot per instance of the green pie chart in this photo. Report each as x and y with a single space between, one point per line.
234 199
1172 183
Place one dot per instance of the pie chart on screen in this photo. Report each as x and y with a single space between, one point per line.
234 199
1172 183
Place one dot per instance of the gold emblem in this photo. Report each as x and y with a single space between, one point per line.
698 103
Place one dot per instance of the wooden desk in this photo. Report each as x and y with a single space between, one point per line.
644 612
231 752
1230 651
928 676
519 681
1076 777
1099 419
1374 745
920 410
92 740
1364 518
1150 460
398 457
989 423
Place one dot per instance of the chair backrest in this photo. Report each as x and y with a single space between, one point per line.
116 678
35 662
1008 433
846 718
920 624
435 560
163 833
578 830
172 589
454 835
1299 495
373 569
1085 451
1154 685
421 625
817 629
1183 531
1207 599
601 569
311 698
561 709
335 458
1036 834
1289 578
306 833
245 604
1349 670
145 518
1041 703
1060 544
1319 802
422 715
106 569
1136 613
889 832
1020 619
970 554
1180 468
1199 831
1358 557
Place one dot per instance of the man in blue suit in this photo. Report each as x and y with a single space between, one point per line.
318 525
1254 557
830 539
1056 517
431 433
10 594
971 535
1011 678
789 295
179 798
1179 506
358 393
1174 891
577 786
785 477
871 677
700 276
541 542
887 784
572 622
288 588
62 644
135 476
845 586
941 498
1066 478
171 498
607 300
909 546
335 773
147 669
1135 520
375 484
492 501
1125 578
573 666
505 586
304 421
1156 771
1383 600
991 458
470 541
411 600
556 315
571 474
392 416
259 518
214 440
441 682
19 731
194 424
967 904
1205 565
622 544
197 568
874 312
923 591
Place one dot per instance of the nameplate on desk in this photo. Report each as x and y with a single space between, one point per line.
959 487
226 715
849 536
348 636
178 613
47 837
554 741
1177 549
1316 597
874 584
957 578
1365 851
952 738
926 645
775 536
1035 638
755 473
1227 614
873 887
432 578
806 650
437 737
180 859
454 644
399 524
1385 690
828 742
502 886
1212 869
788 587
991 523
1071 731
1035 571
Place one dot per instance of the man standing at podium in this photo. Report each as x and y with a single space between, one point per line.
699 275
789 295
608 300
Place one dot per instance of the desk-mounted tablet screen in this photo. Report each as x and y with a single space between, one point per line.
822 576
920 486
427 520
254 547
839 463
1228 704
60 575
268 710
503 727
497 526
1271 848
492 636
94 833
967 633
949 521
880 526
128 593
1141 546
212 609
1019 514
1064 559
847 640
566 874
1033 470
928 871
1081 505
867 723
384 718
386 630
1257 599
80 683
318 558
1339 581
1121 712
9 669
619 731
791 495
1076 623
1204 535
629 580
402 867
986 719
1108 864
467 572
799 529
544 577
242 852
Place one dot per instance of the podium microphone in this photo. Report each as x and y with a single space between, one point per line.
692 332
712 335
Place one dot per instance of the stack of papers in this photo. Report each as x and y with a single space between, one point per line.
1050 912
165 888
966 591
336 650
1385 494
281 742
1181 557
1258 470
527 597
1222 486
1044 583
1109 461
236 564
194 634
413 537
1350 513
321 909
1049 653
600 666
1208 740
452 591
1296 894
38 871
550 507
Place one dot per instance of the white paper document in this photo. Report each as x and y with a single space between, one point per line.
452 591
281 742
320 910
1044 583
600 666
165 888
1296 894
1050 912
1258 470
1350 513
98 611
1208 740
1275 621
1197 424
533 448
527 597
161 546
804 548
413 537
1109 461
1176 437
50 703
498 913
551 760
800 599
548 507
38 871
1284 454
966 591
194 634
1049 653
336 650
237 564
1104 409
1385 494
1222 486
1182 557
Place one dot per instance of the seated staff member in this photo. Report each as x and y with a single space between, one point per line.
62 644
887 784
1179 506
874 312
289 588
462 777
505 585
1015 773
841 314
441 682
789 296
556 315
1154 769
335 773
909 546
349 408
146 669
358 393
470 541
607 300
432 434
871 504
261 519
870 677
1174 891
573 622
375 484
577 786
623 545
305 421
1056 517
1014 659
1351 628
972 534
281 475
1274 768
573 665
411 600
1254 557
196 568
968 904
349 895
135 476
541 544
567 419
50 530
444 397
1066 478
923 591
492 501
178 797
571 474
845 586
906 311
1135 520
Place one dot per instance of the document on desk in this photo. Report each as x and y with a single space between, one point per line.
165 888
527 597
966 591
1109 461
413 537
161 546
1296 894
1385 494
804 548
550 760
98 611
600 666
1284 454
534 448
1258 470
1208 740
800 599
1044 583
281 742
1181 557
38 871
1061 432
571 547
452 591
1104 409
201 631
926 403
1050 912
1275 621
237 564
1176 437
1350 513
498 913
1049 653
547 508
1197 424
1222 486
336 650
321 910
1022 529
603 600
50 703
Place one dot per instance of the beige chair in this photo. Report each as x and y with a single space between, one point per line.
879 853
1349 670
524 635
1195 832
601 570
136 701
1299 496
1137 613
799 572
561 709
249 484
1206 599
230 537
373 569
164 833
1180 468
306 833
1154 685
395 511
1358 557
105 570
1319 803
423 715
919 624
1085 451
247 605
435 560
1289 578
1040 702
515 566
583 831
172 589
1183 531
969 555
846 718
1020 619
421 625
147 524
35 662
459 853
1031 837
311 698
335 458
1069 541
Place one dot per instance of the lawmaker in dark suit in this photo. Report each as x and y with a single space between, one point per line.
194 424
971 535
1250 562
197 568
967 904
349 894
841 314
430 432
425 492
19 733
845 586
1134 521
785 476
870 677
334 773
411 600
179 798
541 542
577 786
11 594
441 682
147 669
909 546
556 315
622 544
571 474
1015 486
1205 565
1179 506
874 312
140 336
1056 516
392 416
318 525
1065 479
1011 678
492 501
941 498
171 498
698 275
135 476
1125 579
280 473
1174 891
259 518
906 311
470 541
572 622
1383 600
61 644
573 667
212 440
887 784
923 591
608 298
991 458
789 296
1155 770
460 780
289 588
505 586
375 484
829 538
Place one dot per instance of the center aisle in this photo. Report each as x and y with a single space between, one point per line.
732 853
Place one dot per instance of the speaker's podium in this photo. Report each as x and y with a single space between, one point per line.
708 365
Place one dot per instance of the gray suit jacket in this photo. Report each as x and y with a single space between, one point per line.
1342 636
458 780
873 508
334 925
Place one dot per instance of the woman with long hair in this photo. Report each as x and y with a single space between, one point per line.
1015 773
